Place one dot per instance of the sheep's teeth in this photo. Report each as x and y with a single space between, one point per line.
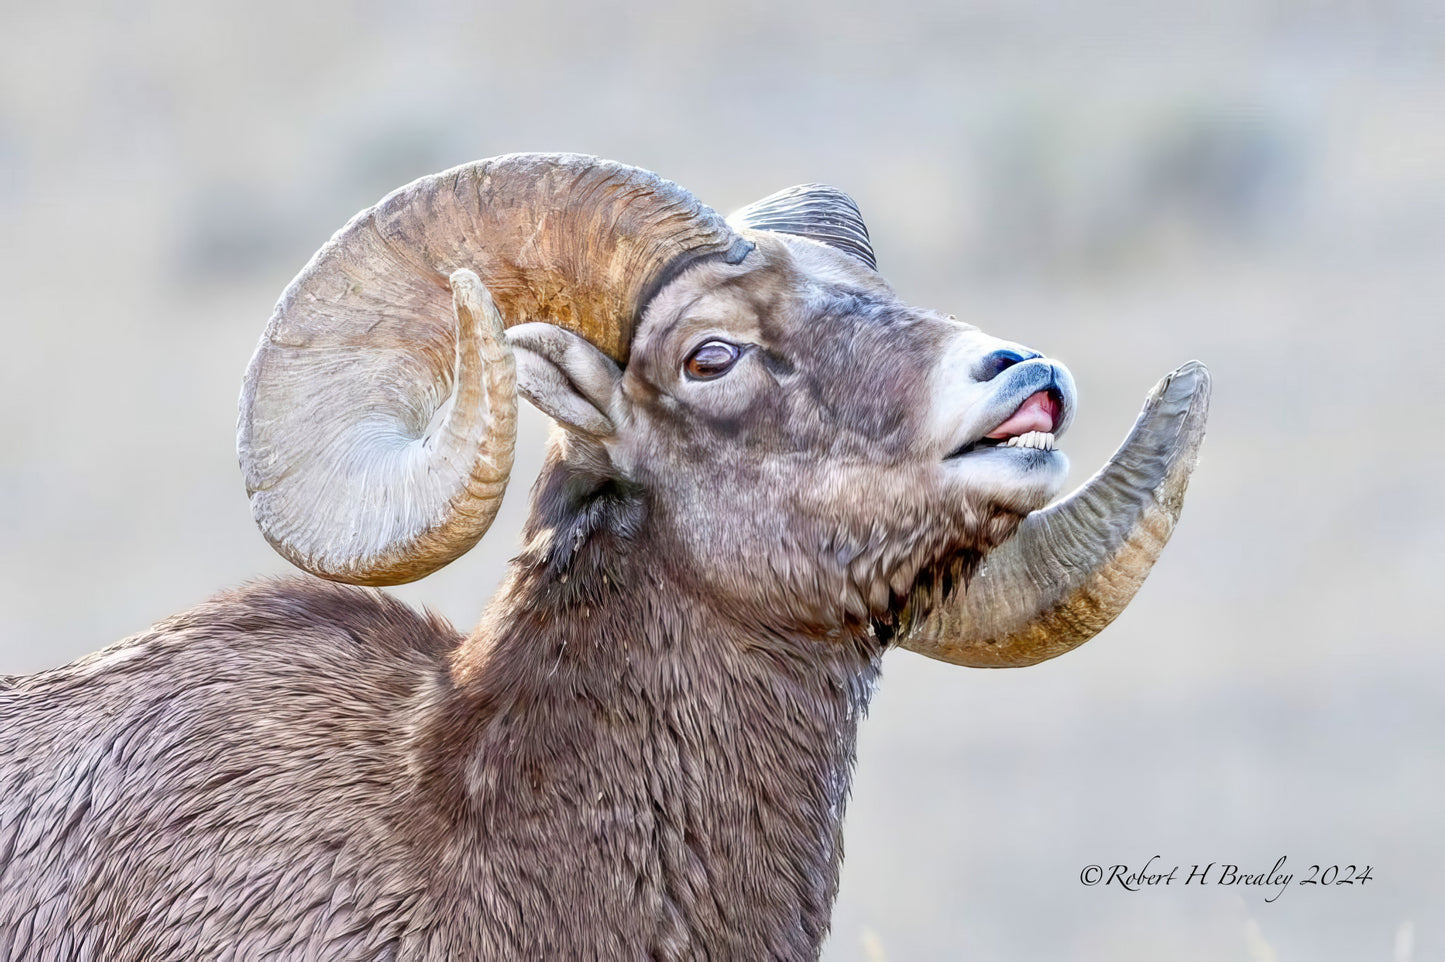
1041 440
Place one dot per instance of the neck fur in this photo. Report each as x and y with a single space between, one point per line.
670 776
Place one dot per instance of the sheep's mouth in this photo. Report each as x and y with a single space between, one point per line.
1031 426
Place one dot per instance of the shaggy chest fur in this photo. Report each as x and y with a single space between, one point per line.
679 797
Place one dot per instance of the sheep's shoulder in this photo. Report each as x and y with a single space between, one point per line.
166 791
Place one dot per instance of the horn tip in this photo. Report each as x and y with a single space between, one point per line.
1188 378
1185 394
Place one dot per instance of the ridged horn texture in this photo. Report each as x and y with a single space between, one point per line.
379 411
816 211
1072 567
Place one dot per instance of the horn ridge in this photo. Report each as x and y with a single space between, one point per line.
815 211
360 463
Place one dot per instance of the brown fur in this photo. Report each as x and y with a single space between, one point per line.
642 752
564 797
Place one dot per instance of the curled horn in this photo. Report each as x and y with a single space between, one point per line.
1071 568
378 414
815 211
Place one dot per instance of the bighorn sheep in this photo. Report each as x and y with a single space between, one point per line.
770 471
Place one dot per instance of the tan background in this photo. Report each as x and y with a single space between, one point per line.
1124 186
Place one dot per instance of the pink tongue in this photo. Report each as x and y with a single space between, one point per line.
1038 413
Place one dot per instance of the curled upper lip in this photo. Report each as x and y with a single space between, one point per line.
1039 413
1012 388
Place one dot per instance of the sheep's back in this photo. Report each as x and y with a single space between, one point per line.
165 794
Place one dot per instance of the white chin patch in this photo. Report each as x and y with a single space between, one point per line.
1020 477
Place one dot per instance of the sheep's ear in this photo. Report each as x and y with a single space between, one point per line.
567 378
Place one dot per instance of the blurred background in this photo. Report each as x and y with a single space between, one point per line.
1255 183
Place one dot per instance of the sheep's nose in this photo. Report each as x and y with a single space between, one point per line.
999 361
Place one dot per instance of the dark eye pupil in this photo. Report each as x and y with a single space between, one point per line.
711 360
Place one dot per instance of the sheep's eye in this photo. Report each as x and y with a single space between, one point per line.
712 359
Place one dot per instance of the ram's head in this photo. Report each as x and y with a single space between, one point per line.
810 451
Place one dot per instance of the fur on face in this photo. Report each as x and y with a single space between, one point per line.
811 485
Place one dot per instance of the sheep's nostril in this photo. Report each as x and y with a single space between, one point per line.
999 361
